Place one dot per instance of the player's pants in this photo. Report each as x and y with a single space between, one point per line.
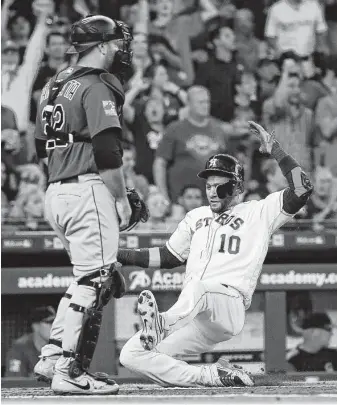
84 217
205 314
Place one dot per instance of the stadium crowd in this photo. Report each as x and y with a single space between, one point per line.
201 70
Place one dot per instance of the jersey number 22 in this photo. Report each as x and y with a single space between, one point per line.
58 118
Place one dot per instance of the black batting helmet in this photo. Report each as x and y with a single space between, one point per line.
95 29
224 165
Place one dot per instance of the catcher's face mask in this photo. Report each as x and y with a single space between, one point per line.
85 36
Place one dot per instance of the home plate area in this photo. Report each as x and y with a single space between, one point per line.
323 391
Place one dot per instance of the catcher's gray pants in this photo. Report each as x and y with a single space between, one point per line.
205 314
84 217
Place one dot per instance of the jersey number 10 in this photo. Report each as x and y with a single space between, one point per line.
233 246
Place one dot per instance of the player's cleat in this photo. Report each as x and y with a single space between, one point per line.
45 368
153 331
232 376
85 384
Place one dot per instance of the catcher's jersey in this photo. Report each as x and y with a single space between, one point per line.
85 105
230 247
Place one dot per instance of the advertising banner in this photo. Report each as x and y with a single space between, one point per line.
42 280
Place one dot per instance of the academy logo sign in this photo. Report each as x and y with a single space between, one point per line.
49 281
157 280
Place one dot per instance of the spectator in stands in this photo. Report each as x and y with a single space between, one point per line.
10 59
134 13
169 40
244 153
268 74
319 79
331 19
299 307
190 197
158 213
196 15
61 25
248 47
24 353
274 179
8 119
322 204
31 174
326 121
19 83
19 31
29 207
146 122
252 196
160 86
10 179
296 25
141 59
186 144
56 47
259 9
14 147
133 180
245 101
313 354
285 113
220 73
10 138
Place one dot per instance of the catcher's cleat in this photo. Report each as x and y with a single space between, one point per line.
153 331
232 376
85 384
45 368
44 371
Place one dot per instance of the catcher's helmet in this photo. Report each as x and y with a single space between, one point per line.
95 29
224 165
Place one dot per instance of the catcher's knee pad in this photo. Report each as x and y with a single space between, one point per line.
114 286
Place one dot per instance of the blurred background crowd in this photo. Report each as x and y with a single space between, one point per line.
201 70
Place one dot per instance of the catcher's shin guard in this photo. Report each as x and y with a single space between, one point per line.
113 286
87 342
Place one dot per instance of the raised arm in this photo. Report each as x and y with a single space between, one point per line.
35 49
300 187
141 26
138 85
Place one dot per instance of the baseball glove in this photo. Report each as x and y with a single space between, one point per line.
140 212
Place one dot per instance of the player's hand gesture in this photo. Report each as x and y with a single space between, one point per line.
266 139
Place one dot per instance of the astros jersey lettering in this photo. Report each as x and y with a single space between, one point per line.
230 247
84 105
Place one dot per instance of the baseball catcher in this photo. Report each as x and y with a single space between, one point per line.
78 133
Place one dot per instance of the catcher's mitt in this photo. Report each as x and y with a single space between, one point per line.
140 212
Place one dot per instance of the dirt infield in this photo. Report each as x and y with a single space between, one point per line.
323 391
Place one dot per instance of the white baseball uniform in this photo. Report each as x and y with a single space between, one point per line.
224 256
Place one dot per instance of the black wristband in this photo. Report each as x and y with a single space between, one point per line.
131 257
285 161
277 152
